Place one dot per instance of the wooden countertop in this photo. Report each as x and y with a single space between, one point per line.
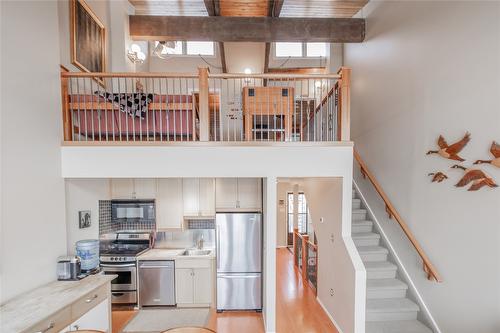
28 309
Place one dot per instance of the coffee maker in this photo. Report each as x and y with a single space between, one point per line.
68 268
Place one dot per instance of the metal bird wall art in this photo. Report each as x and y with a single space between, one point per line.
450 151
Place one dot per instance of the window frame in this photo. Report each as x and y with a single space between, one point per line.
304 52
305 214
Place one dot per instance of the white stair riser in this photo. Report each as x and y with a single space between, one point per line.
359 216
381 274
361 228
356 204
366 241
385 293
373 256
391 316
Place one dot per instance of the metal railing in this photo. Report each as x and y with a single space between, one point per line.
305 257
163 107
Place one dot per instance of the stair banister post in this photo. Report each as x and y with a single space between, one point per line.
345 103
204 107
66 113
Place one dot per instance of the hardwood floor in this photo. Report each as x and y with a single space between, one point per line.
297 310
120 318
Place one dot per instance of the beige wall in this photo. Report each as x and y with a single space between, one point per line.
33 229
425 69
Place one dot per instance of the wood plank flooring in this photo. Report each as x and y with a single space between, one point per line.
297 310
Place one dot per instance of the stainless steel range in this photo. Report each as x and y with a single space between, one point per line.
119 256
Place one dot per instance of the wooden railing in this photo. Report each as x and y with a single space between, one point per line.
428 267
305 255
158 107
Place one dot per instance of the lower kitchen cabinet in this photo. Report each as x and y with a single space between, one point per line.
193 282
95 319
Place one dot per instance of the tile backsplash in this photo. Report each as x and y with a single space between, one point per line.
105 224
185 239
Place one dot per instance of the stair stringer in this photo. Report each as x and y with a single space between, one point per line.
424 315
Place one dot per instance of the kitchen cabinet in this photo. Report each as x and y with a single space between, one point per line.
198 197
129 188
238 194
193 282
169 212
95 319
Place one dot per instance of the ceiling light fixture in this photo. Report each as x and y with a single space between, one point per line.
135 54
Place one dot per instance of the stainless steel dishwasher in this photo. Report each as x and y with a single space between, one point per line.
156 283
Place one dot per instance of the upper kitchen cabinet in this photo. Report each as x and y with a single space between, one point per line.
238 194
198 197
169 212
128 188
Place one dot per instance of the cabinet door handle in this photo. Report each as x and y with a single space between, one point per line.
88 300
51 326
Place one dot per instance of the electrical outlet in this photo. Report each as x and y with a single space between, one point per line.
321 220
331 291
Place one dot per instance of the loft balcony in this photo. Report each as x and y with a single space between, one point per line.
102 109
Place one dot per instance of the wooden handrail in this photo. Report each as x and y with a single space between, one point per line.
389 207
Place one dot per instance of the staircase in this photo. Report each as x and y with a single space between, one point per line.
388 310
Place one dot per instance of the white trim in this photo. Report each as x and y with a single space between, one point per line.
329 316
398 260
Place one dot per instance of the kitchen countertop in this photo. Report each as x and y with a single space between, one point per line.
28 309
173 254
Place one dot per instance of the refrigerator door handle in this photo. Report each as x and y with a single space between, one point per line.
239 275
218 248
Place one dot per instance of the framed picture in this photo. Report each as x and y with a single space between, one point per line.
84 219
88 39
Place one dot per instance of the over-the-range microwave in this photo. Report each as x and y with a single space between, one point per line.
133 209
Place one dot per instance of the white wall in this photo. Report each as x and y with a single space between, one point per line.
430 68
114 17
84 194
339 265
281 230
32 189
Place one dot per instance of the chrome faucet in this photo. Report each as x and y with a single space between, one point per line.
199 243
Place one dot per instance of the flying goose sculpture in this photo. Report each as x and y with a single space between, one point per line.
478 178
450 151
495 151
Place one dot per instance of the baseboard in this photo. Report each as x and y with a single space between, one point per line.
329 316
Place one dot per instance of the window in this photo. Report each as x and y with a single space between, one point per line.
300 50
203 48
301 213
189 48
289 49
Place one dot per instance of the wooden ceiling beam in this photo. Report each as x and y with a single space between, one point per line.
247 29
299 70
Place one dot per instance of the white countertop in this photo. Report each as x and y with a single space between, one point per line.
28 309
173 254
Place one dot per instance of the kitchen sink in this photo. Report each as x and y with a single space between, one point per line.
195 252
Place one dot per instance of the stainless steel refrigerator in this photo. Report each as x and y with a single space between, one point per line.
239 261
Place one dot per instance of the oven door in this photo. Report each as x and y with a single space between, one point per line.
127 275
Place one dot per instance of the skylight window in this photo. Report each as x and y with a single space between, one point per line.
300 50
191 48
316 49
289 49
202 48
